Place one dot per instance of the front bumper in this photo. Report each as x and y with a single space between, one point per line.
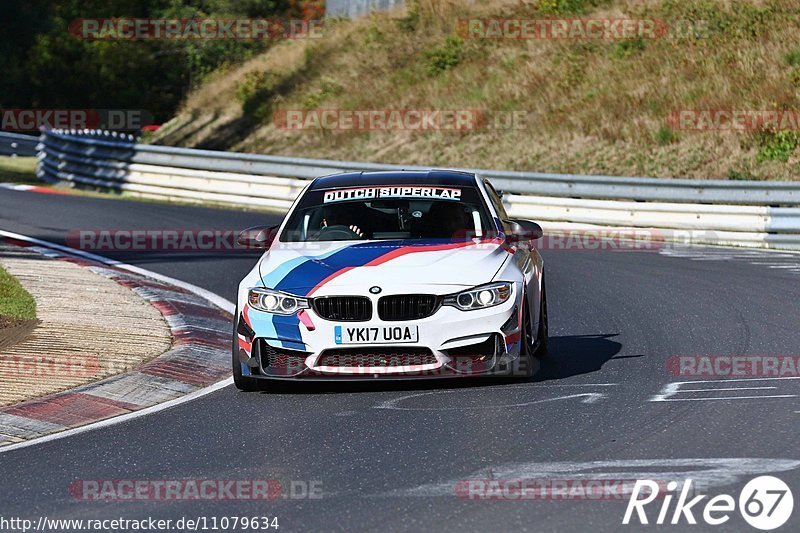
451 343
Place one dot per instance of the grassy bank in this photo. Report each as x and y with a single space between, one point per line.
589 106
15 302
18 170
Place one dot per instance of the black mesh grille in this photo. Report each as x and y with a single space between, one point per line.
407 306
276 361
345 308
376 357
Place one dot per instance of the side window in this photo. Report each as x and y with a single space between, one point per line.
497 202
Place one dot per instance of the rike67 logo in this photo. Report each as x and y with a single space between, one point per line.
765 503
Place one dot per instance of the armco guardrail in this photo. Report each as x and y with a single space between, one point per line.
723 212
13 144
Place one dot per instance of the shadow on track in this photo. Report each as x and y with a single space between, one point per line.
577 354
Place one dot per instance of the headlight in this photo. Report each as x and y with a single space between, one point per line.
480 297
276 302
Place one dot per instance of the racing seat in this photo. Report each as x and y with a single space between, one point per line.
445 220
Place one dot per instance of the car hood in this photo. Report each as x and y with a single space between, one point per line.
323 267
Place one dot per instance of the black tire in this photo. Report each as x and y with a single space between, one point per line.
526 357
243 383
541 350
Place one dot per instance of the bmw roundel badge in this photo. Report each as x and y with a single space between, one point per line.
375 290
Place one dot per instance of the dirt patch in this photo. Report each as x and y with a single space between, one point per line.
14 330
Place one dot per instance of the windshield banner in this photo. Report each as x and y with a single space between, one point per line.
441 193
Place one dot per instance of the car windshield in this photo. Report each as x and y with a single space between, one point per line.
388 213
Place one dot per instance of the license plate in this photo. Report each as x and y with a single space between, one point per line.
375 335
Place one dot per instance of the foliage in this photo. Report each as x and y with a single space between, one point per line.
563 7
740 176
446 56
410 22
664 136
777 146
44 66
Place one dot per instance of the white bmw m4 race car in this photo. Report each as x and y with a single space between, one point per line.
408 274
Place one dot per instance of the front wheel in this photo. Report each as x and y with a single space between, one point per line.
527 357
243 383
541 350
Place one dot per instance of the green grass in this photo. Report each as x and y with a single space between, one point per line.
18 170
15 302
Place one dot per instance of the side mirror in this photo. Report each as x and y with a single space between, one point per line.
526 230
257 237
